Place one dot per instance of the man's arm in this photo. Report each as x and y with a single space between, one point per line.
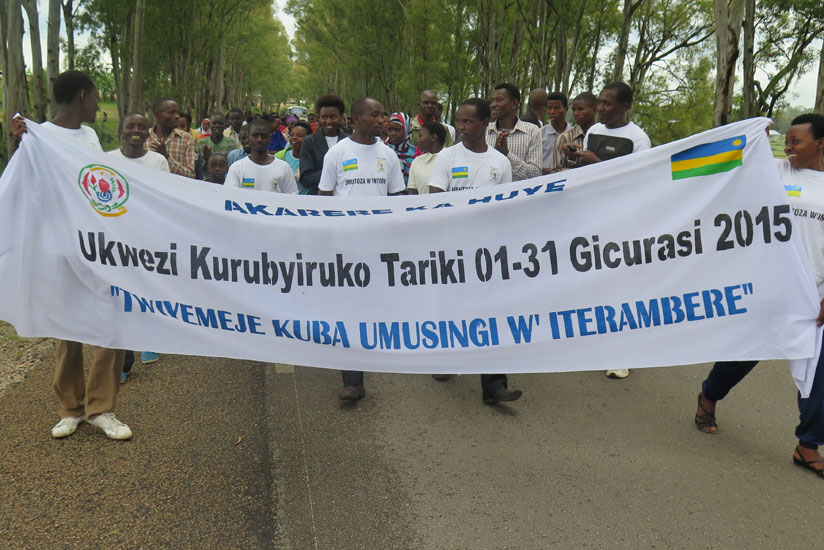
560 153
414 176
439 176
233 177
187 166
309 171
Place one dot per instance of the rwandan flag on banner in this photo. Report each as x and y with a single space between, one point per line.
709 158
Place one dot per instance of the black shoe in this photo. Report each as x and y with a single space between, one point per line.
441 377
351 393
503 394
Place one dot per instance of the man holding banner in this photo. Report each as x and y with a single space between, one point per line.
612 137
803 177
472 164
361 166
94 398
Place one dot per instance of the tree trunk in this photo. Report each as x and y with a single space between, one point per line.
818 106
53 53
596 49
136 95
68 17
14 71
748 87
728 22
38 84
4 60
119 49
560 56
623 39
218 88
567 86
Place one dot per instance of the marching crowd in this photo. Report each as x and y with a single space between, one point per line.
376 153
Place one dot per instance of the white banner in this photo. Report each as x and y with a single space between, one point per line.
677 255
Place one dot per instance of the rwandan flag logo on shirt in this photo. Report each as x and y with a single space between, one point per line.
709 158
248 182
793 190
351 164
460 172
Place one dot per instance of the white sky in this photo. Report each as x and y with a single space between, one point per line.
801 93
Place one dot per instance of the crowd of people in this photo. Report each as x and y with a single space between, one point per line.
398 153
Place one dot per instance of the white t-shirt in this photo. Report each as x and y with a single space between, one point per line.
85 135
331 140
457 168
354 169
610 143
150 159
805 190
419 172
277 176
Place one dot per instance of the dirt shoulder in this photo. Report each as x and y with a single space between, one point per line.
19 355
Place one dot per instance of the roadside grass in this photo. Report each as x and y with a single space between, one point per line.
107 129
777 144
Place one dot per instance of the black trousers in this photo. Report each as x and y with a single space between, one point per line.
490 383
810 430
352 377
127 364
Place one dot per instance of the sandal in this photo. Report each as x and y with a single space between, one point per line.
705 420
808 464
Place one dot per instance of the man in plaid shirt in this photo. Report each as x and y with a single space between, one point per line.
167 139
519 141
583 112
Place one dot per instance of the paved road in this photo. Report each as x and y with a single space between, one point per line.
580 461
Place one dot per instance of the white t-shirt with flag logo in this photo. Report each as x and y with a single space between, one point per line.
354 169
276 177
805 192
457 168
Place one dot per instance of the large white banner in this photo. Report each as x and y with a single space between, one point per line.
681 254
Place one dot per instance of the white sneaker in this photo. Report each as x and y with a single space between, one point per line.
618 373
66 426
111 426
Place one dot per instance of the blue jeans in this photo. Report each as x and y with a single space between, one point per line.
810 430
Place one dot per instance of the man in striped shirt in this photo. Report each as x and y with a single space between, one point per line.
517 140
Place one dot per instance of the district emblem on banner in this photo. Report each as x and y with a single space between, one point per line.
105 188
709 158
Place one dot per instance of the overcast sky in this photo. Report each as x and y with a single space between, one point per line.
802 92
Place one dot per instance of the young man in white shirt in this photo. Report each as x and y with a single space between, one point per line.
614 136
91 398
468 165
361 166
261 171
134 131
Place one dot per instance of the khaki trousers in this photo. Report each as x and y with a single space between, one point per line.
81 396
